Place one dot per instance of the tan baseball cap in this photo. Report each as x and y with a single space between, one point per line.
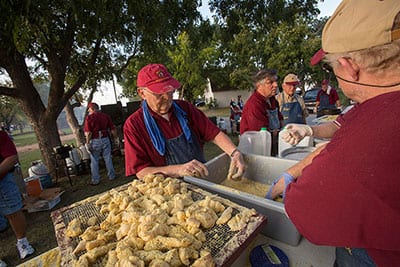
357 25
291 79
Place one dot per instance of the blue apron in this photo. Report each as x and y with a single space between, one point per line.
273 119
178 150
292 112
324 103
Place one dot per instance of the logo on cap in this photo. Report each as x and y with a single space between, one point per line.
160 74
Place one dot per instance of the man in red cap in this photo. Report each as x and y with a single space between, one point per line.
327 99
166 136
291 105
98 129
346 193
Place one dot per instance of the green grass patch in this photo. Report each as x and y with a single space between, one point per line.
25 159
25 139
29 138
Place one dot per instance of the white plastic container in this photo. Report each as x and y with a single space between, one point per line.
255 142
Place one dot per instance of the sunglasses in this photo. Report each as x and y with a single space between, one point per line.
326 67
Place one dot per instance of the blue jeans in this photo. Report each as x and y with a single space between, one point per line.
358 257
10 197
101 147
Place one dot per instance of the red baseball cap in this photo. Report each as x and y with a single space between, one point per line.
93 105
325 81
157 79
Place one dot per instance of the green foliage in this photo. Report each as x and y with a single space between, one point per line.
185 67
265 34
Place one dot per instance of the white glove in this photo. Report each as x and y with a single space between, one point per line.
315 110
294 133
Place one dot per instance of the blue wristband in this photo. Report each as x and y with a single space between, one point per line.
287 178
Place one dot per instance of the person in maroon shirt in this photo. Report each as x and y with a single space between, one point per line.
98 129
327 100
262 109
346 193
10 196
166 136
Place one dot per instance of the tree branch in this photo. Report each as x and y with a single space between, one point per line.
8 91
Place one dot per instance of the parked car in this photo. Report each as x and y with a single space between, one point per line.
199 103
310 98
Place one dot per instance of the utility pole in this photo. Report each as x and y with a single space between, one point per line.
115 90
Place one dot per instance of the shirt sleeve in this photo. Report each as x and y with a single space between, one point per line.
139 151
7 147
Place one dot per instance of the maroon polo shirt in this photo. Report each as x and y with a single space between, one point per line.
349 195
139 150
333 96
98 122
7 147
254 115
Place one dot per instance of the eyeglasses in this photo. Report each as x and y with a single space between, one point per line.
158 96
326 67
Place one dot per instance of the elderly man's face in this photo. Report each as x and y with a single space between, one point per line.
159 103
268 87
289 88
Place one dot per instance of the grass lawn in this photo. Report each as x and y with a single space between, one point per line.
40 230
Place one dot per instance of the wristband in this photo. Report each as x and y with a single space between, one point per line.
234 151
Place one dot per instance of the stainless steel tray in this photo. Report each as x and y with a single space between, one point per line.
262 169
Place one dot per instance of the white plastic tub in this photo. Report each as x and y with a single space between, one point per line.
262 169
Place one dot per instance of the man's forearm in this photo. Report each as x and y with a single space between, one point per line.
325 130
8 164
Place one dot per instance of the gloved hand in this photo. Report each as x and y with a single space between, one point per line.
279 186
237 166
89 147
293 133
315 110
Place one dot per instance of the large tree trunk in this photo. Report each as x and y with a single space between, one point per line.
74 124
48 138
